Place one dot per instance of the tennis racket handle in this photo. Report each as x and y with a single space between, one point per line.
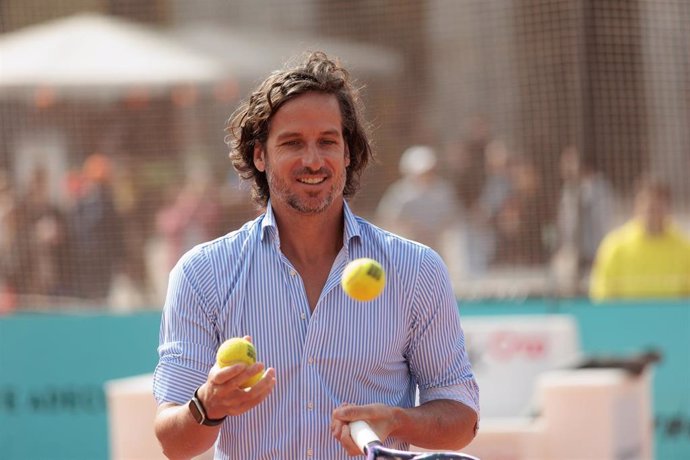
363 435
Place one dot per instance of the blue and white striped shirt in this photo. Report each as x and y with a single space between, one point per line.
343 351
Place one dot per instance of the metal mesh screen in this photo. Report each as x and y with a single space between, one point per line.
112 114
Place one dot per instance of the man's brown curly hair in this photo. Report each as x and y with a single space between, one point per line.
251 121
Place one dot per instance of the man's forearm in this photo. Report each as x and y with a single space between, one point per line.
180 436
438 424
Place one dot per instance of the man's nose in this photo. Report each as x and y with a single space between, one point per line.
312 157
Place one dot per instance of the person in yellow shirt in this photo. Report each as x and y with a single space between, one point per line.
648 257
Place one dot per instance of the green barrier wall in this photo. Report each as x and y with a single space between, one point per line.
624 328
52 370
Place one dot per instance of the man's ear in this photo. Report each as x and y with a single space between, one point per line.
259 161
347 155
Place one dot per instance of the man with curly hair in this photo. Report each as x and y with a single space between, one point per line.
327 359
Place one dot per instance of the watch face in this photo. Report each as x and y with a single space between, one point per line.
196 411
199 413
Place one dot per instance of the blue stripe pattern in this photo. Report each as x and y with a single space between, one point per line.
345 351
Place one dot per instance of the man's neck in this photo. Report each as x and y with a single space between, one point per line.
306 239
653 228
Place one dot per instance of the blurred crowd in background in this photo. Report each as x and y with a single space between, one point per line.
103 245
509 135
475 202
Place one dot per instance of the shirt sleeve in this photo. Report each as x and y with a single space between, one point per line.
188 335
438 357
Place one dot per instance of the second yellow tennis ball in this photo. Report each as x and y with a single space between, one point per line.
238 350
363 279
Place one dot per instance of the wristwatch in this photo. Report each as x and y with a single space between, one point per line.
199 412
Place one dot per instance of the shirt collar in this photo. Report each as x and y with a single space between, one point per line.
351 228
268 223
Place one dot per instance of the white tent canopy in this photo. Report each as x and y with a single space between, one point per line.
98 56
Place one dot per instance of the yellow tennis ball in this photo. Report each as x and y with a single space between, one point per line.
363 279
238 350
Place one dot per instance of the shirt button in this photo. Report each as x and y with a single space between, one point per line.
310 360
292 272
310 405
310 452
303 316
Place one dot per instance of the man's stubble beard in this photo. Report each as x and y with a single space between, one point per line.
280 189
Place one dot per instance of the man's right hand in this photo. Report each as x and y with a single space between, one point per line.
221 395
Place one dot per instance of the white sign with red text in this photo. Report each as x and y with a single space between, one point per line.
509 352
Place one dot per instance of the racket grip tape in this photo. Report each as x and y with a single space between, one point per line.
363 435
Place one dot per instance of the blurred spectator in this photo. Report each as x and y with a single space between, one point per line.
466 160
97 230
6 194
520 219
498 183
12 248
421 205
585 215
132 285
648 257
44 226
193 215
481 231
